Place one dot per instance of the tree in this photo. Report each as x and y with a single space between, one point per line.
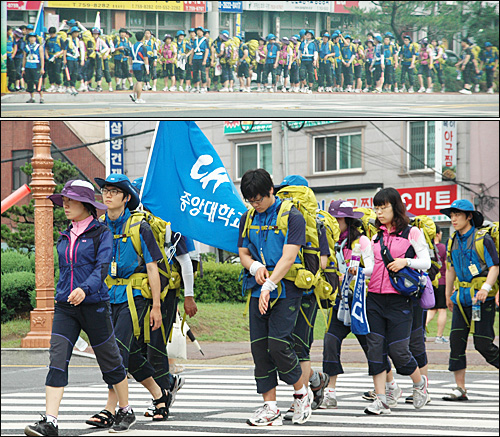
476 19
23 217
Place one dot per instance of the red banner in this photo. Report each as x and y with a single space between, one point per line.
195 7
340 7
428 200
23 6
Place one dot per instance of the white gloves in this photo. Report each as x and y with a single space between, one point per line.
256 265
269 285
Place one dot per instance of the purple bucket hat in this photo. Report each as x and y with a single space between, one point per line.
342 208
79 190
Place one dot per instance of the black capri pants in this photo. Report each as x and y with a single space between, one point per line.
294 73
483 336
198 68
95 320
32 77
307 72
347 71
303 334
54 71
260 72
325 77
368 74
227 72
121 69
390 317
272 343
269 70
244 70
407 71
282 70
389 75
168 70
417 338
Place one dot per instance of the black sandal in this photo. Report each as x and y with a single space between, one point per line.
104 422
162 411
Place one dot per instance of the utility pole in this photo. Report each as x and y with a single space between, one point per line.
277 152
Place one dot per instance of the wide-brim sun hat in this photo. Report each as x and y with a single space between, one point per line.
466 206
285 40
295 180
343 208
81 191
123 183
224 37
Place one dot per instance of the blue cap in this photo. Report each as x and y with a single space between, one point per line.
302 32
347 36
389 34
225 32
297 36
71 22
311 32
294 180
181 32
96 30
270 37
32 34
123 183
240 37
378 38
326 34
488 44
30 26
74 29
335 35
137 183
465 206
206 30
192 29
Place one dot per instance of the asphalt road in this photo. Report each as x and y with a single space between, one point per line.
216 400
253 105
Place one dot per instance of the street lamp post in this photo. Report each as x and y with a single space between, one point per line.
42 185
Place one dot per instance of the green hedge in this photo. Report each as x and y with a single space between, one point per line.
18 293
219 283
14 261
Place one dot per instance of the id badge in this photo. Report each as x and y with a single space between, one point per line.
113 268
473 270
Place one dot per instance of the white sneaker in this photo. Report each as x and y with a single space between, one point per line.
421 90
263 416
195 90
203 90
153 89
296 89
308 91
443 90
366 90
464 91
82 88
429 91
144 87
247 90
178 383
283 90
302 408
330 399
188 88
140 101
133 97
302 90
490 91
396 90
393 395
165 89
61 89
321 89
477 89
51 89
69 90
357 90
289 414
172 88
377 407
441 340
421 395
224 90
403 89
181 89
411 90
110 89
231 90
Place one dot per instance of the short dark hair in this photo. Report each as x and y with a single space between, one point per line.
353 225
9 27
23 26
256 182
438 229
392 196
139 36
124 194
468 215
91 209
52 29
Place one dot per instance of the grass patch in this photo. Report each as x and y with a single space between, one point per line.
214 322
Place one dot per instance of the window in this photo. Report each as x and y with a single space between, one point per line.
19 178
151 19
337 152
136 19
421 145
255 155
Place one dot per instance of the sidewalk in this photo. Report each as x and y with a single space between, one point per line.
238 353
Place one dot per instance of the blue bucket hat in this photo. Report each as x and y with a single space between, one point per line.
137 184
192 29
464 205
71 22
74 29
30 27
294 179
488 44
302 32
180 32
378 38
123 183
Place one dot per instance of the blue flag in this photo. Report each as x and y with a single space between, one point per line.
186 184
359 322
40 23
344 313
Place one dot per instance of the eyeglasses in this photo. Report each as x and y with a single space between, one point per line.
255 202
381 208
113 192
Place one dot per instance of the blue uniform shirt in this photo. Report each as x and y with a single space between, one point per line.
126 258
32 55
139 53
54 45
463 254
21 44
200 45
272 52
489 58
308 49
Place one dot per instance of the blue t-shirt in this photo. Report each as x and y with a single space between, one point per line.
489 58
463 255
199 46
32 55
325 49
21 44
308 48
272 52
139 53
126 258
54 45
271 245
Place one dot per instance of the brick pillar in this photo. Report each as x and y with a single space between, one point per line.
42 185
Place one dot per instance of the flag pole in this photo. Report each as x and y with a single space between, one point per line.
149 158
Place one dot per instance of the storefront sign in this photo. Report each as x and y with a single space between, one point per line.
341 7
361 198
288 6
234 127
449 157
114 152
167 6
235 7
23 6
428 200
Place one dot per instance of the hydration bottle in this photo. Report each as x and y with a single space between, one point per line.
476 310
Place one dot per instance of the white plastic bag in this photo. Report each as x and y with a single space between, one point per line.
177 347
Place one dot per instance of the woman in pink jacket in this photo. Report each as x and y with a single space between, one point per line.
390 313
